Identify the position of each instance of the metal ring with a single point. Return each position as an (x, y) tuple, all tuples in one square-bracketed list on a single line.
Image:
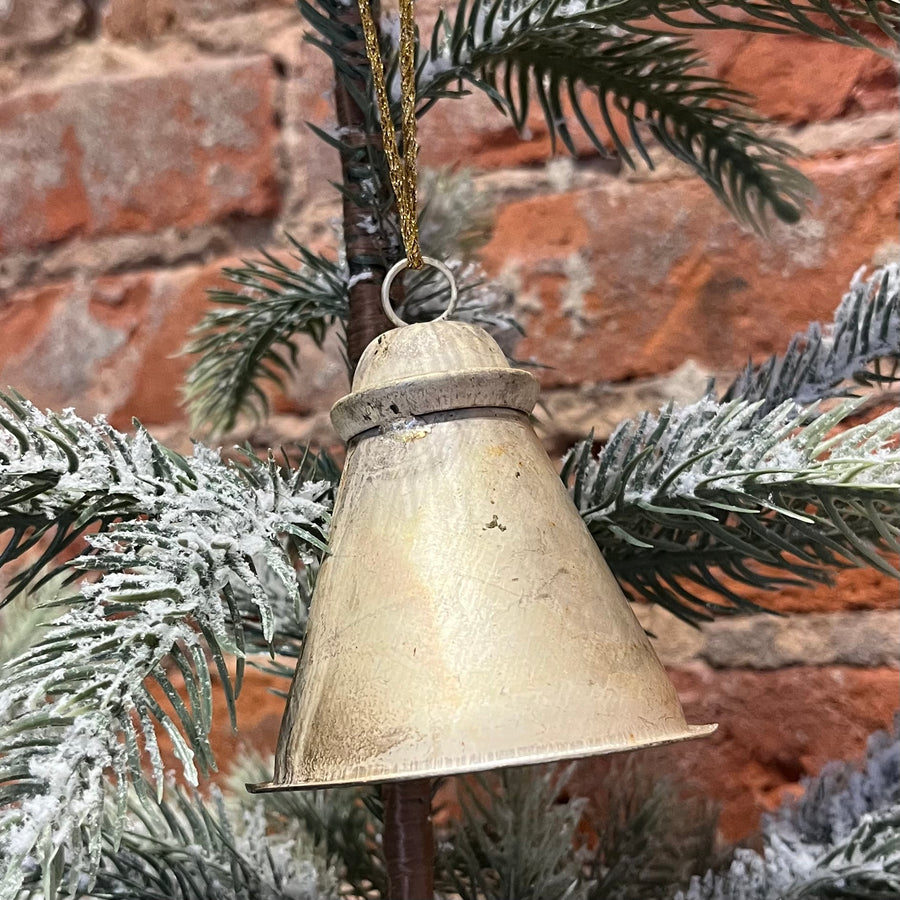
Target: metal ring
[(399, 267)]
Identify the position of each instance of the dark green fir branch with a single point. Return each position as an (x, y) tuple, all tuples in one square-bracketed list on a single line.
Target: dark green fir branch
[(619, 70)]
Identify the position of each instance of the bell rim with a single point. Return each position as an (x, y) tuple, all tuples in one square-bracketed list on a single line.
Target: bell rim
[(693, 731), (488, 386)]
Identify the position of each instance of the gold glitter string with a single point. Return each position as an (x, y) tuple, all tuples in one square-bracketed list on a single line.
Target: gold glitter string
[(402, 169)]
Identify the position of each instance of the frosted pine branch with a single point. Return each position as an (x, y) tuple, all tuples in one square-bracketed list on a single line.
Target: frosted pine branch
[(60, 475), (842, 839), (193, 848), (78, 704), (20, 622), (339, 824), (841, 795), (710, 496), (861, 345), (189, 847)]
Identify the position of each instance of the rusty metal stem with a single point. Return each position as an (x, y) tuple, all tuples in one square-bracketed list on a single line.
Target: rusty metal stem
[(409, 839), (408, 835)]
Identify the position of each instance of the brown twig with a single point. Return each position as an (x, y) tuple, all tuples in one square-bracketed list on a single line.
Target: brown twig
[(409, 839), (366, 251), (408, 836)]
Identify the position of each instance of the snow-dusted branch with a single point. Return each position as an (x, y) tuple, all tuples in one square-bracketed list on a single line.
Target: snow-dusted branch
[(712, 497), (190, 847), (78, 710), (861, 345), (841, 839)]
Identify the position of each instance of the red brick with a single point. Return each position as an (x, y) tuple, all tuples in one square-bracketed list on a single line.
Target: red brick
[(138, 20), (674, 277), (107, 345), (785, 73), (217, 9), (472, 132), (307, 98), (29, 24), (774, 729), (876, 87), (137, 153), (125, 361), (157, 380), (58, 340), (155, 396), (854, 589), (24, 316)]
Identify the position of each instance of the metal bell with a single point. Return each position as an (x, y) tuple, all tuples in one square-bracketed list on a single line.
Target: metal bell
[(465, 619)]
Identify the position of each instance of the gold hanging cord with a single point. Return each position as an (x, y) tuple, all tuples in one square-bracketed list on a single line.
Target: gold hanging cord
[(402, 169)]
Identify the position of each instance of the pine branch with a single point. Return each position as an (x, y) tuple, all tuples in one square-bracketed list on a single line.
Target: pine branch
[(651, 80), (520, 836), (711, 496), (339, 824), (186, 847), (850, 23), (289, 607), (752, 491), (836, 800), (651, 835), (444, 68), (20, 621), (857, 857), (618, 55), (513, 842), (83, 701), (197, 850), (60, 476), (866, 866), (249, 340), (818, 364)]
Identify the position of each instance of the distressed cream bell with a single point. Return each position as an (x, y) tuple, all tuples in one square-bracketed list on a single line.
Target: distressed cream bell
[(465, 618)]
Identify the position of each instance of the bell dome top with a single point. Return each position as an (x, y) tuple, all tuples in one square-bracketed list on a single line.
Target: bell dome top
[(427, 368), (424, 349)]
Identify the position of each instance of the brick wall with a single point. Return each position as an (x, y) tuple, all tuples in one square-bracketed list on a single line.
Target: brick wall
[(144, 144)]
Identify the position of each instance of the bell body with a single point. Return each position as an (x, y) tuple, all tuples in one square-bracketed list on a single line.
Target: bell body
[(465, 618)]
